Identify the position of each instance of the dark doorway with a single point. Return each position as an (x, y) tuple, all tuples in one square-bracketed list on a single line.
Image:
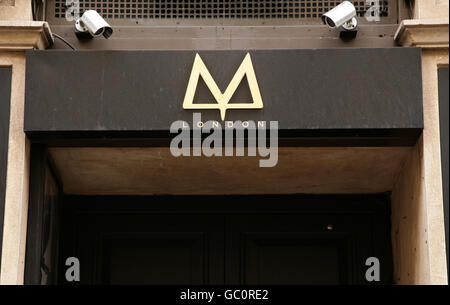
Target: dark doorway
[(264, 239), (5, 95)]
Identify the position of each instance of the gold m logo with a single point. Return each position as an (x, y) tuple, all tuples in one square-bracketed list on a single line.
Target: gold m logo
[(223, 99)]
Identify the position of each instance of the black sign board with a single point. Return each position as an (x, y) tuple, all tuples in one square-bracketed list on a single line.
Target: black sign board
[(323, 93)]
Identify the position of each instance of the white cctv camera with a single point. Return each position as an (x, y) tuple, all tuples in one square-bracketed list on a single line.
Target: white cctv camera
[(91, 24), (343, 15)]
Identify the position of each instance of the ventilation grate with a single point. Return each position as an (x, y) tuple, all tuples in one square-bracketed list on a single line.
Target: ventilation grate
[(216, 9)]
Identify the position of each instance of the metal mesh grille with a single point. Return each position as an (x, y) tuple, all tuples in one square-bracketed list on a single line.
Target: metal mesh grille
[(217, 9)]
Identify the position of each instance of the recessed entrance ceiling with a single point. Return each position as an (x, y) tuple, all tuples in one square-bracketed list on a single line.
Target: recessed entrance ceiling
[(146, 171)]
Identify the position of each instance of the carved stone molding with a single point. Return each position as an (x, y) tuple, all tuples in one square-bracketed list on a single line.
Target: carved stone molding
[(424, 33), (24, 35)]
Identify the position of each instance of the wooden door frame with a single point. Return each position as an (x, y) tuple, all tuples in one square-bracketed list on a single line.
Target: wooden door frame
[(39, 162)]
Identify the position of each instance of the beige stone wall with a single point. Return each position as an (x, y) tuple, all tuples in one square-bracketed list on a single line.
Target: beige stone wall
[(17, 32), (16, 199), (15, 10), (409, 223), (418, 229), (431, 60), (431, 9)]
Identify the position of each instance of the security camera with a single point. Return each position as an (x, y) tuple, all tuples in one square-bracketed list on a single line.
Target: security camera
[(91, 24), (342, 16)]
